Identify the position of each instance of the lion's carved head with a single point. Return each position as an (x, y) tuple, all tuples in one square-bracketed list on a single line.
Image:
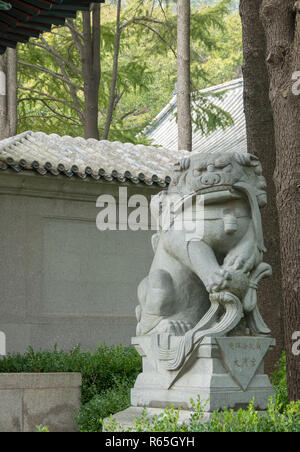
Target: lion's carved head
[(218, 171)]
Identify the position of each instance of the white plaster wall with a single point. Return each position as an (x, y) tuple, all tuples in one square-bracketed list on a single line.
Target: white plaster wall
[(62, 280)]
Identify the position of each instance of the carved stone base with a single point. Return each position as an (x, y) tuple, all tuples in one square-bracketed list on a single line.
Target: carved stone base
[(228, 371)]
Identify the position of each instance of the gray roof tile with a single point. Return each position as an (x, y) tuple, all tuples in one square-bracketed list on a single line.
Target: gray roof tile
[(52, 154), (122, 162)]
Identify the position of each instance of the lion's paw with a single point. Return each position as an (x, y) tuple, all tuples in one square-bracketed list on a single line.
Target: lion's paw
[(239, 283), (219, 281), (243, 261)]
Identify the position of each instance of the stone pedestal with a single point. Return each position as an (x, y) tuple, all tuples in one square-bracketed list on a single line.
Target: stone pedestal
[(224, 372), (228, 371)]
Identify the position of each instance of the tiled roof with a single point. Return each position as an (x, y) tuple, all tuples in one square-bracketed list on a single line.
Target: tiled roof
[(77, 157), (22, 19), (164, 130)]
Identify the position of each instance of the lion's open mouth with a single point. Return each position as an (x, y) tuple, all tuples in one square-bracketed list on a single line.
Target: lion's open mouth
[(214, 188)]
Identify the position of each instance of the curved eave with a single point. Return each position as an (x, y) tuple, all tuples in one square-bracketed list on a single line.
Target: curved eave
[(88, 173), (30, 18)]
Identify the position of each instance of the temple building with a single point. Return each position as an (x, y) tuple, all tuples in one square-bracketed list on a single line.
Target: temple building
[(228, 96)]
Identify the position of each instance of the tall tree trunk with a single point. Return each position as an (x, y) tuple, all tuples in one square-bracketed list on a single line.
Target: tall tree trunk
[(91, 68), (184, 76), (112, 98), (281, 20), (8, 94), (3, 98), (261, 142)]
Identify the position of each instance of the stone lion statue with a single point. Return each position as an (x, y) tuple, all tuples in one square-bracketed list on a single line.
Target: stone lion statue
[(203, 281)]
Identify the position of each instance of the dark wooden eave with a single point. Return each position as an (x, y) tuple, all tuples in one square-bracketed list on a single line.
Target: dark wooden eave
[(30, 18)]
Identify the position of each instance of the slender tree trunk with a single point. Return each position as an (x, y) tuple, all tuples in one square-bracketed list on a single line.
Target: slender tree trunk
[(112, 98), (8, 94), (261, 142), (91, 68), (281, 20), (3, 98), (184, 76)]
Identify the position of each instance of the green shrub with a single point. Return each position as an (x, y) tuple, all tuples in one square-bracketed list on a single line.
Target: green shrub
[(279, 383), (42, 429), (100, 370), (247, 421), (103, 405)]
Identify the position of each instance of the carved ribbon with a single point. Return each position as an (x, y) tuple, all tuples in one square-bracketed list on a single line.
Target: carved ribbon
[(256, 217), (255, 320), (175, 358)]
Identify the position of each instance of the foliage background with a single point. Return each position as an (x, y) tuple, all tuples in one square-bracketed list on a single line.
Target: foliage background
[(147, 67)]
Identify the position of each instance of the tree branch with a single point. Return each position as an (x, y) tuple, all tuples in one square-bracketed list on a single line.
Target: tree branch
[(64, 72), (159, 35), (112, 104), (55, 99), (76, 35), (166, 20), (54, 74), (138, 19), (134, 112), (57, 56)]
